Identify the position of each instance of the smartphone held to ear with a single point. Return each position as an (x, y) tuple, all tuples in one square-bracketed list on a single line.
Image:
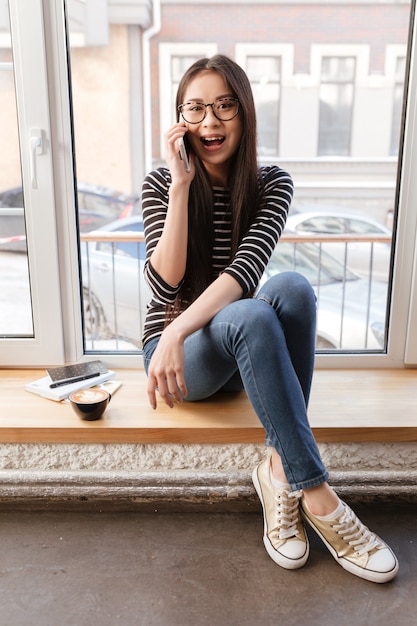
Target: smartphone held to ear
[(183, 154)]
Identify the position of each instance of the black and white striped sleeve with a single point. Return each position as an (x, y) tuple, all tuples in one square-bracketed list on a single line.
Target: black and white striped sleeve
[(154, 209), (258, 244)]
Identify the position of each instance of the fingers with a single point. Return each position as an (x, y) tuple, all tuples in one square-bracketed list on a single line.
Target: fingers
[(170, 388), (166, 369), (173, 135), (181, 386), (151, 393)]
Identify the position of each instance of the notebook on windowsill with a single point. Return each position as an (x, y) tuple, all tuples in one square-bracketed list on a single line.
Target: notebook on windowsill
[(42, 386)]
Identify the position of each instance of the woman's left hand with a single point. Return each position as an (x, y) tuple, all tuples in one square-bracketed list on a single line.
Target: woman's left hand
[(166, 370)]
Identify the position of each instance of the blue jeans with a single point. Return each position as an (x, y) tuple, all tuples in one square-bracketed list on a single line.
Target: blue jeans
[(266, 346)]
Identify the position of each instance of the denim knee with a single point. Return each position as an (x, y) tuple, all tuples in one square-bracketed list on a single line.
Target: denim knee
[(292, 296), (249, 315)]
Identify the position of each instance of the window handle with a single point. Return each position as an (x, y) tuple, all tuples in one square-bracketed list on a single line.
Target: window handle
[(36, 148)]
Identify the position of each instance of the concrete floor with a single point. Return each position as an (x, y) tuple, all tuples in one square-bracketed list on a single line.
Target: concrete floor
[(162, 568)]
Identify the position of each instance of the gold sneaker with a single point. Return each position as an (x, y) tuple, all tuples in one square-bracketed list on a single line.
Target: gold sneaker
[(284, 536), (353, 545)]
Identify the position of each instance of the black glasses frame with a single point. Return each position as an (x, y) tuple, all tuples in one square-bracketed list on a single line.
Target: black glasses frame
[(212, 105)]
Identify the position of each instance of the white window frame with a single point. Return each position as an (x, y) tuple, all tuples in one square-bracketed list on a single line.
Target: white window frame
[(403, 340), (32, 97), (55, 35)]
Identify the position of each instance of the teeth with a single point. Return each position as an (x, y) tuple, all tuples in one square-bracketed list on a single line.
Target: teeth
[(212, 139)]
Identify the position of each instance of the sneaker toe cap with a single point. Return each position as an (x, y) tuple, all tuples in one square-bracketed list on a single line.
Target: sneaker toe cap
[(293, 549), (382, 561)]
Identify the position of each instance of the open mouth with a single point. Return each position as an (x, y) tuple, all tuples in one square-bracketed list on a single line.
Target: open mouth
[(211, 142)]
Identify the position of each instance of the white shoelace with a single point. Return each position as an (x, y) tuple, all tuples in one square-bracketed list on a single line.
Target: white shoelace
[(287, 513), (355, 533)]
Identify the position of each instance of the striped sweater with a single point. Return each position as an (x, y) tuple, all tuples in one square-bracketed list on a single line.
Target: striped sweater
[(253, 253)]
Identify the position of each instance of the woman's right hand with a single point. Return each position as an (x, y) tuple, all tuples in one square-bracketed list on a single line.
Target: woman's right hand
[(172, 155), (166, 369)]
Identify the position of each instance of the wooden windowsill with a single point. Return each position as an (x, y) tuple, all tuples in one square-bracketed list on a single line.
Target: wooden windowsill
[(346, 406)]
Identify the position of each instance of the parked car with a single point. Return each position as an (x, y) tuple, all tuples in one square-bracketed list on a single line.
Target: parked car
[(349, 307), (115, 292), (97, 206), (358, 254)]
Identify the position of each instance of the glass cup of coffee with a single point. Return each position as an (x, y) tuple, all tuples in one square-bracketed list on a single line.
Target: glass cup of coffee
[(89, 404)]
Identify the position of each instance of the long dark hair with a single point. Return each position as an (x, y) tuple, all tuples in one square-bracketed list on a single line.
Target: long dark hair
[(243, 182)]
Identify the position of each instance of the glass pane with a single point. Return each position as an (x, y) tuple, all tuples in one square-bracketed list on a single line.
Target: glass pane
[(397, 106), (264, 74), (15, 296), (337, 69), (263, 69), (337, 130), (336, 103), (107, 192), (180, 65)]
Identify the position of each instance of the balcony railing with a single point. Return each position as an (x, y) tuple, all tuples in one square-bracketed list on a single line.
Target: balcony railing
[(350, 276)]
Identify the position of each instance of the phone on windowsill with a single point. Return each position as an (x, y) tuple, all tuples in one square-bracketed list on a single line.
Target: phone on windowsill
[(183, 154)]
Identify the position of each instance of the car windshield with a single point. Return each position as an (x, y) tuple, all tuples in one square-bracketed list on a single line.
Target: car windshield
[(323, 224), (310, 260), (361, 227)]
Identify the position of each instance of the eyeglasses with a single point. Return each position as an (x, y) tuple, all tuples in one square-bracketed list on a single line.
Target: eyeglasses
[(225, 110)]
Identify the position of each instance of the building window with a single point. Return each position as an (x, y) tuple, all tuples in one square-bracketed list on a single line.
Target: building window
[(397, 105), (268, 66), (336, 105), (179, 65), (265, 76)]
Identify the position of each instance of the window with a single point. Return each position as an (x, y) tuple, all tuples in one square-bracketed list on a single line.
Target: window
[(15, 304), (265, 75), (267, 66), (109, 126), (397, 105), (33, 332), (114, 290), (336, 104)]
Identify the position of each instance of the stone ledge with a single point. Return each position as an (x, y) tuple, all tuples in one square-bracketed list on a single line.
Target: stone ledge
[(130, 475), (131, 490), (163, 457)]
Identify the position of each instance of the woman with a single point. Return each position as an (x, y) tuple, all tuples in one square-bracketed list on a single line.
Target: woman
[(209, 233)]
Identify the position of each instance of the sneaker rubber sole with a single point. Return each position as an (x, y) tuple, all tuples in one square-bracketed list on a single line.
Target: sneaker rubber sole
[(277, 557)]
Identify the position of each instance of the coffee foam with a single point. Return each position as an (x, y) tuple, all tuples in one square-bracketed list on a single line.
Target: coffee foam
[(89, 396)]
